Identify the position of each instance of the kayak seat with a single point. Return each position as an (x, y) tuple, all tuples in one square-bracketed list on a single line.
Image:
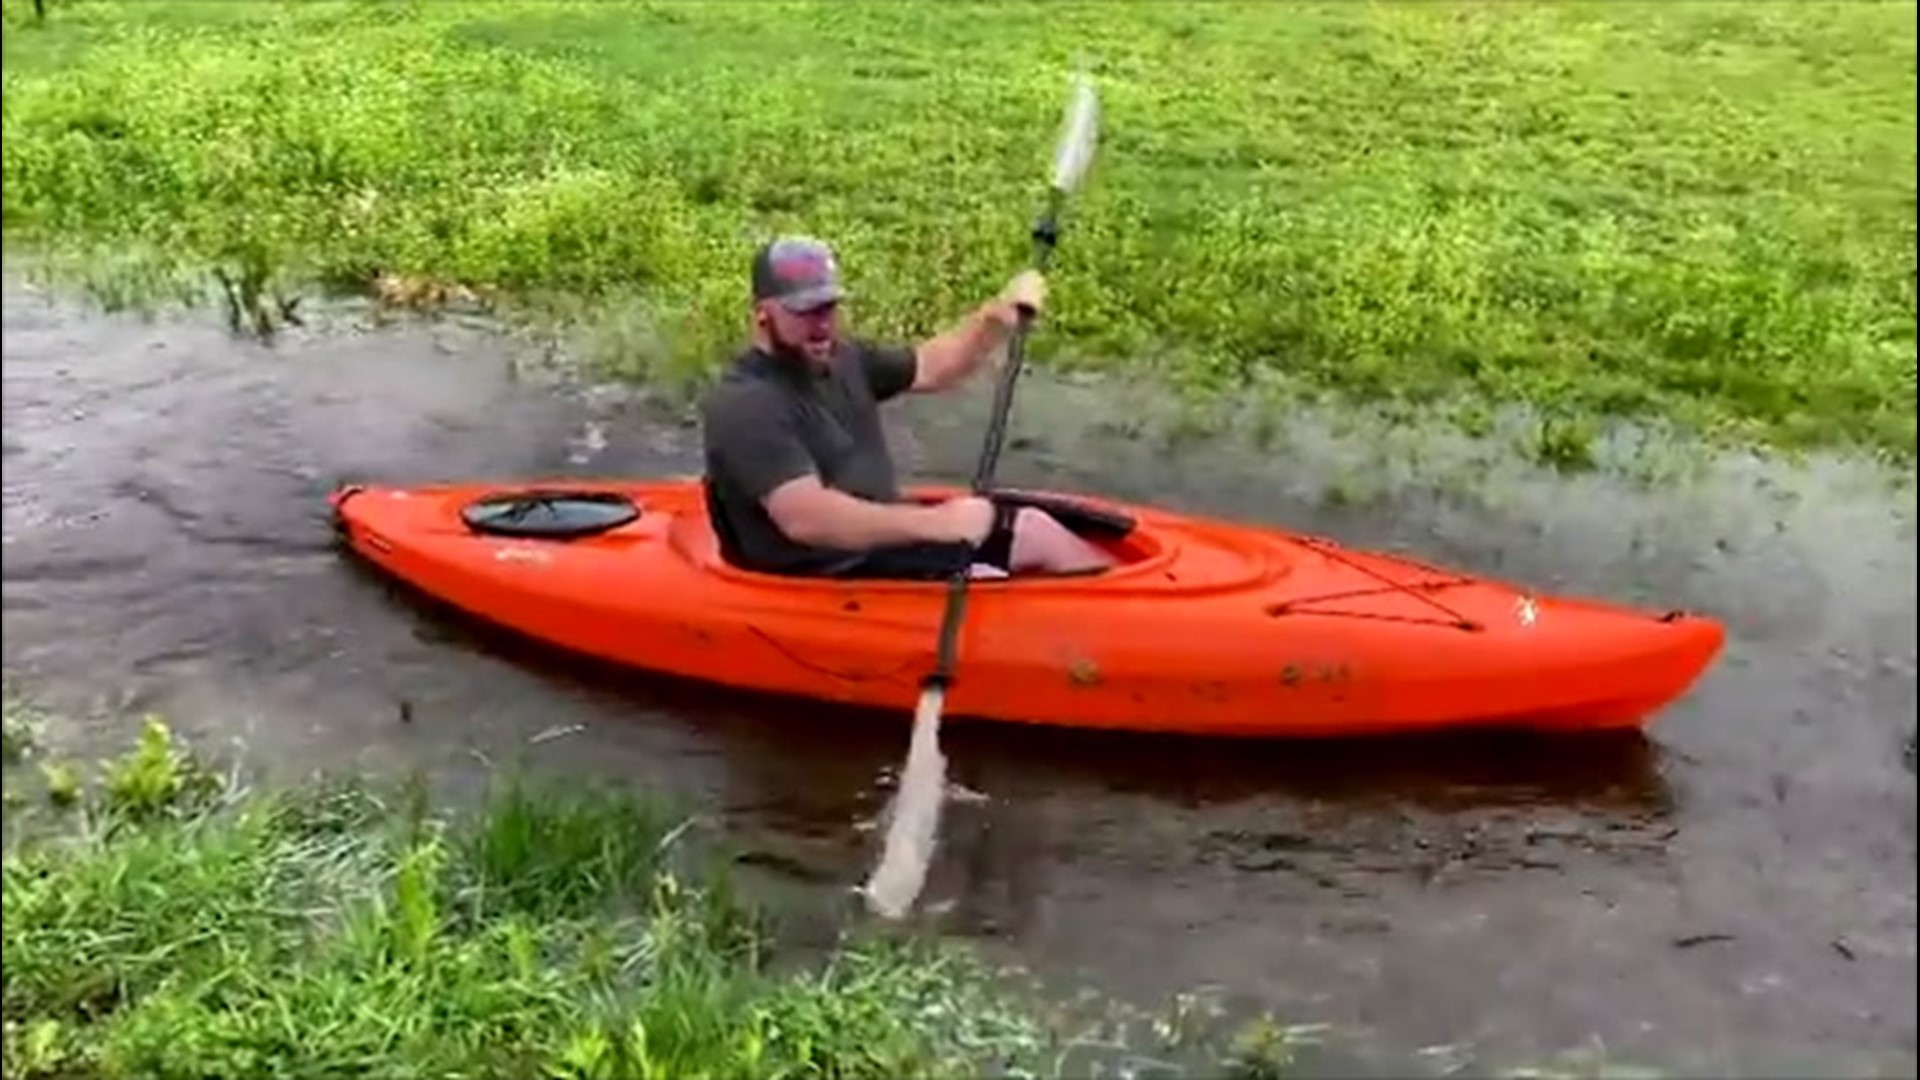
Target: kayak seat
[(549, 513)]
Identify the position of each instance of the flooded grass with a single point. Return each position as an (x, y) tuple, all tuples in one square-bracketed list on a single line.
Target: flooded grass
[(163, 921), (1698, 213), (21, 734)]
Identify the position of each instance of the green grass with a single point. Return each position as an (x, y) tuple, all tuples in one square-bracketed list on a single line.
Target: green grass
[(1694, 212), (320, 932), (164, 922)]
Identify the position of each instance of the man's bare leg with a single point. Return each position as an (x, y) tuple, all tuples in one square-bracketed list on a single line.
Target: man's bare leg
[(1044, 546)]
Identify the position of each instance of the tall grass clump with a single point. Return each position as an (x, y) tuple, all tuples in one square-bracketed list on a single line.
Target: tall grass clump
[(181, 927), (1696, 212)]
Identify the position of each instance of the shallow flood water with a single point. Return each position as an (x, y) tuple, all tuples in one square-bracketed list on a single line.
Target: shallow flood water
[(1733, 892)]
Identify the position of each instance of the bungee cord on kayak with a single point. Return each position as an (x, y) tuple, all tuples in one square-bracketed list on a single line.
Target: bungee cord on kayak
[(1419, 591)]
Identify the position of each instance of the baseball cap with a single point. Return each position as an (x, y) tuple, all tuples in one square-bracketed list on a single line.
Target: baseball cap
[(798, 271)]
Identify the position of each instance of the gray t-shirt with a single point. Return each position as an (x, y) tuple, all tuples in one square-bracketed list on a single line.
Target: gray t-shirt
[(768, 421)]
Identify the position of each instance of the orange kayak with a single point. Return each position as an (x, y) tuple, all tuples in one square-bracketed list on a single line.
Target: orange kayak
[(1206, 627)]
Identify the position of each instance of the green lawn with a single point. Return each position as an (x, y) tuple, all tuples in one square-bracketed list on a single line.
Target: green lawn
[(1701, 212)]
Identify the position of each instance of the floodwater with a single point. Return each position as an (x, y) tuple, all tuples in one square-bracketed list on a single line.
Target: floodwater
[(1733, 893)]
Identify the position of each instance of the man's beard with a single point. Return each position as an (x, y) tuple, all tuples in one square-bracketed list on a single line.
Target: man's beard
[(795, 349)]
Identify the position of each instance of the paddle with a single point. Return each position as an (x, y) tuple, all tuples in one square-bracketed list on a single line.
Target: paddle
[(915, 815)]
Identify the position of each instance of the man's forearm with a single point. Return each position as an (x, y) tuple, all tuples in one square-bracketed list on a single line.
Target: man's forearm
[(954, 354), (839, 520)]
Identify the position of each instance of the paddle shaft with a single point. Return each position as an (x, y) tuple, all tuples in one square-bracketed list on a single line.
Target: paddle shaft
[(1046, 234)]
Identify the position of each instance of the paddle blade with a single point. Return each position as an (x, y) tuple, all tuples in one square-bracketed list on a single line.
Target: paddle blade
[(915, 818), (1078, 134)]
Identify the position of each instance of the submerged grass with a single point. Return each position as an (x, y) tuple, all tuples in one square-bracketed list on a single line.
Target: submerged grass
[(170, 923), (1696, 212)]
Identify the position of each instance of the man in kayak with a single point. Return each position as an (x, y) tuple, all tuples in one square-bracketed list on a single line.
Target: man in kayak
[(799, 477)]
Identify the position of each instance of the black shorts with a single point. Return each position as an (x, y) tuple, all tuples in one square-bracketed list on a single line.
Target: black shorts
[(932, 562)]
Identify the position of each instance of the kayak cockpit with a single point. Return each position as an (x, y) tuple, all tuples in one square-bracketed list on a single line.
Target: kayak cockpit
[(1111, 530), (692, 536)]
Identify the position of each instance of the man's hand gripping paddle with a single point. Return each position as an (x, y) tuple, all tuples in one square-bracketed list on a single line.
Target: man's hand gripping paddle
[(915, 815)]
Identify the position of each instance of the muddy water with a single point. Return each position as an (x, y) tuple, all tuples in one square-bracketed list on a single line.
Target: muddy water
[(1733, 893)]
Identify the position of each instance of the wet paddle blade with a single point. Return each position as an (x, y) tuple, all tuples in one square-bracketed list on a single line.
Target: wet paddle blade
[(915, 817), (1078, 135)]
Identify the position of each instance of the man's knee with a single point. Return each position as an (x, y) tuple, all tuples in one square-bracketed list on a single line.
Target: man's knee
[(1031, 527), (1037, 523)]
